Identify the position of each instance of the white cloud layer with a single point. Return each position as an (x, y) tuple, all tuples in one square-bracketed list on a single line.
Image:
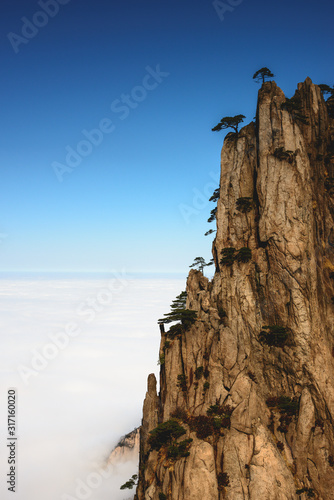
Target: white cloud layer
[(72, 411)]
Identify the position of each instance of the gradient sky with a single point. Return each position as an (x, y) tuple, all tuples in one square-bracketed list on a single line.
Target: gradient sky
[(121, 206)]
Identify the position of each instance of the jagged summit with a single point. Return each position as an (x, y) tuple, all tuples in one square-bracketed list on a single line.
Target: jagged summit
[(126, 449), (246, 402)]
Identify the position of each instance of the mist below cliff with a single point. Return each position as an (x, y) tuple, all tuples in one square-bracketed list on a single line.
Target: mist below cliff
[(72, 411)]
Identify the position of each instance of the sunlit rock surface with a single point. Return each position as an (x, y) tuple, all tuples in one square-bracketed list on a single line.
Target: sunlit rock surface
[(284, 164)]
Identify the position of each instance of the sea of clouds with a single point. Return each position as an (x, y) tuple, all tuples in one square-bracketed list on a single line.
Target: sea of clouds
[(78, 351)]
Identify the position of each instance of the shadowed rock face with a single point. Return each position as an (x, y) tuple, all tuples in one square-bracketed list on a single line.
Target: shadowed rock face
[(269, 446)]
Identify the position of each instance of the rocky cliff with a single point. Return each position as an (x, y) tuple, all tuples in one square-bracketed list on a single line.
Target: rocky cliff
[(127, 449), (246, 402)]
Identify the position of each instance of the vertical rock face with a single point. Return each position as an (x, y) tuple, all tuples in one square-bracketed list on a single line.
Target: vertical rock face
[(260, 355)]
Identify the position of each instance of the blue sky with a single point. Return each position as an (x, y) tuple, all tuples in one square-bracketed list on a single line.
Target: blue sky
[(123, 206)]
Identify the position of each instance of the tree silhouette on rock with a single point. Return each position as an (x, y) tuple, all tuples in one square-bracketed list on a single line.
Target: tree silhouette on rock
[(229, 122), (215, 195), (179, 312), (326, 89), (200, 264), (130, 483), (262, 74), (213, 215)]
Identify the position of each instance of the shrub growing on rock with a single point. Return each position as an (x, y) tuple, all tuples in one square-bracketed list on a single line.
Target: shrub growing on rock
[(202, 425), (244, 255), (222, 411), (182, 382), (244, 204), (175, 330), (164, 433), (223, 480), (274, 335), (228, 255), (180, 414), (287, 407), (179, 313), (283, 154), (130, 483), (284, 404), (199, 372), (206, 386), (179, 450), (206, 425), (188, 318)]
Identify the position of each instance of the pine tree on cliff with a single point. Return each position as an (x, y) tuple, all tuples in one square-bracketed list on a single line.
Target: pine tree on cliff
[(261, 75), (200, 264), (229, 122), (213, 213), (179, 312), (130, 483)]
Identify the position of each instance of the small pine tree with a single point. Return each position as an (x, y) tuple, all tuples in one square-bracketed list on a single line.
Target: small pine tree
[(215, 195), (261, 75), (200, 263), (229, 122), (326, 89), (165, 433), (180, 301), (130, 483), (213, 214), (179, 312)]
